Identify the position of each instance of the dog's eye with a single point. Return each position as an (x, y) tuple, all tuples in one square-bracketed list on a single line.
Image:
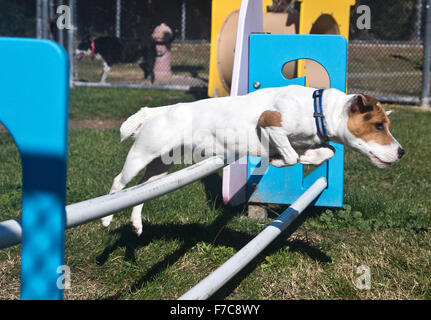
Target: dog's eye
[(379, 126)]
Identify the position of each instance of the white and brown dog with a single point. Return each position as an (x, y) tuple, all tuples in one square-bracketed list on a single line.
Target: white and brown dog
[(285, 117)]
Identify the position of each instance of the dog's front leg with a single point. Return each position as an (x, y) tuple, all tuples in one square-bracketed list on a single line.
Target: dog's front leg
[(279, 140), (316, 156), (106, 69)]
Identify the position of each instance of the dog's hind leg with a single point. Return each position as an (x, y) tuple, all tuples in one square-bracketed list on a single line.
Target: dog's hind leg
[(155, 170), (135, 162)]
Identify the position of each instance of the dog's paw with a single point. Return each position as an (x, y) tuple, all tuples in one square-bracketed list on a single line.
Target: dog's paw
[(106, 221), (280, 163), (309, 160), (316, 157), (137, 227)]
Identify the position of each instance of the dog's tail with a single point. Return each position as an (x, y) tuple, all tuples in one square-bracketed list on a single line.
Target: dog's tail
[(133, 124)]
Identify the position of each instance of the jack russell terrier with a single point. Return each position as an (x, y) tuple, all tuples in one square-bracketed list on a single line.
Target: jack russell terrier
[(288, 118)]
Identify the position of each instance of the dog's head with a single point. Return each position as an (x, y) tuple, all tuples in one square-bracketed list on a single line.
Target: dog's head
[(368, 131), (84, 48)]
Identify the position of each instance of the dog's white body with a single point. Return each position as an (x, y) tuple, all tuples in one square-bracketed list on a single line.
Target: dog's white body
[(269, 122)]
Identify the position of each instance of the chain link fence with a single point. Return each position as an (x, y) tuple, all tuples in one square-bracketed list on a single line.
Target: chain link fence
[(187, 70), (384, 60), (179, 64)]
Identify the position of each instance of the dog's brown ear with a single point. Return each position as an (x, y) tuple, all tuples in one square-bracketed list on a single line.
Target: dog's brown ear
[(361, 104)]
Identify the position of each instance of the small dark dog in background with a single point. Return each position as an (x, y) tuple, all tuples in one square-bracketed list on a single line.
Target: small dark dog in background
[(112, 50)]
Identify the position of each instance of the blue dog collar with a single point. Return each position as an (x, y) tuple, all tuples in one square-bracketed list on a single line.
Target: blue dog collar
[(318, 115)]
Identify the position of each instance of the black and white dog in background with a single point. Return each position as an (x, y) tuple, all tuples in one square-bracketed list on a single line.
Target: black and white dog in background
[(112, 50)]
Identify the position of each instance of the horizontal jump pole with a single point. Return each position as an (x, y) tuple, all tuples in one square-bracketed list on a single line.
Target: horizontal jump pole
[(92, 209), (208, 286)]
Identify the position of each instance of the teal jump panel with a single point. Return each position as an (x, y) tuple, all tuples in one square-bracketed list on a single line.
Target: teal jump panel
[(268, 54), (34, 98)]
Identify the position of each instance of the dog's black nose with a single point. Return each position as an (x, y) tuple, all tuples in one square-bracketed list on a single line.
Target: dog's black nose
[(401, 152)]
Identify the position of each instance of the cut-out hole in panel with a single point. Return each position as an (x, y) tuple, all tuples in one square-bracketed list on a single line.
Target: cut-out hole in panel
[(307, 169), (10, 177), (325, 24), (290, 69), (316, 74)]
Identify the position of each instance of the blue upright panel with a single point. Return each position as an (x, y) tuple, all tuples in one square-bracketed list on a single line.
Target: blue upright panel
[(34, 107), (268, 54)]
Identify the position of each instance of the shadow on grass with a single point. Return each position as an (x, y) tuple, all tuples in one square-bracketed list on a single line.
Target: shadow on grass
[(281, 242), (216, 233)]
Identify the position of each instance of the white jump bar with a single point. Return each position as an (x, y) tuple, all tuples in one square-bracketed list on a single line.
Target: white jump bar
[(89, 210), (208, 286)]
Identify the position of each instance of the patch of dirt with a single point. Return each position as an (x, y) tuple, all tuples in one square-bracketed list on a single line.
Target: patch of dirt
[(94, 124)]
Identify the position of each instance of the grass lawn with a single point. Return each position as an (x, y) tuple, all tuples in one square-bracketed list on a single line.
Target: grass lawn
[(116, 103), (384, 225)]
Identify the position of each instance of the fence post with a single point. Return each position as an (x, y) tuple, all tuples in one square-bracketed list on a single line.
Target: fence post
[(118, 19), (45, 19), (418, 23), (51, 19), (60, 32), (70, 40), (39, 19), (183, 20), (427, 58)]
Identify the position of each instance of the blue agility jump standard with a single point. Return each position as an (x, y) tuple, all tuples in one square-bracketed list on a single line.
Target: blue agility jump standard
[(34, 97)]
